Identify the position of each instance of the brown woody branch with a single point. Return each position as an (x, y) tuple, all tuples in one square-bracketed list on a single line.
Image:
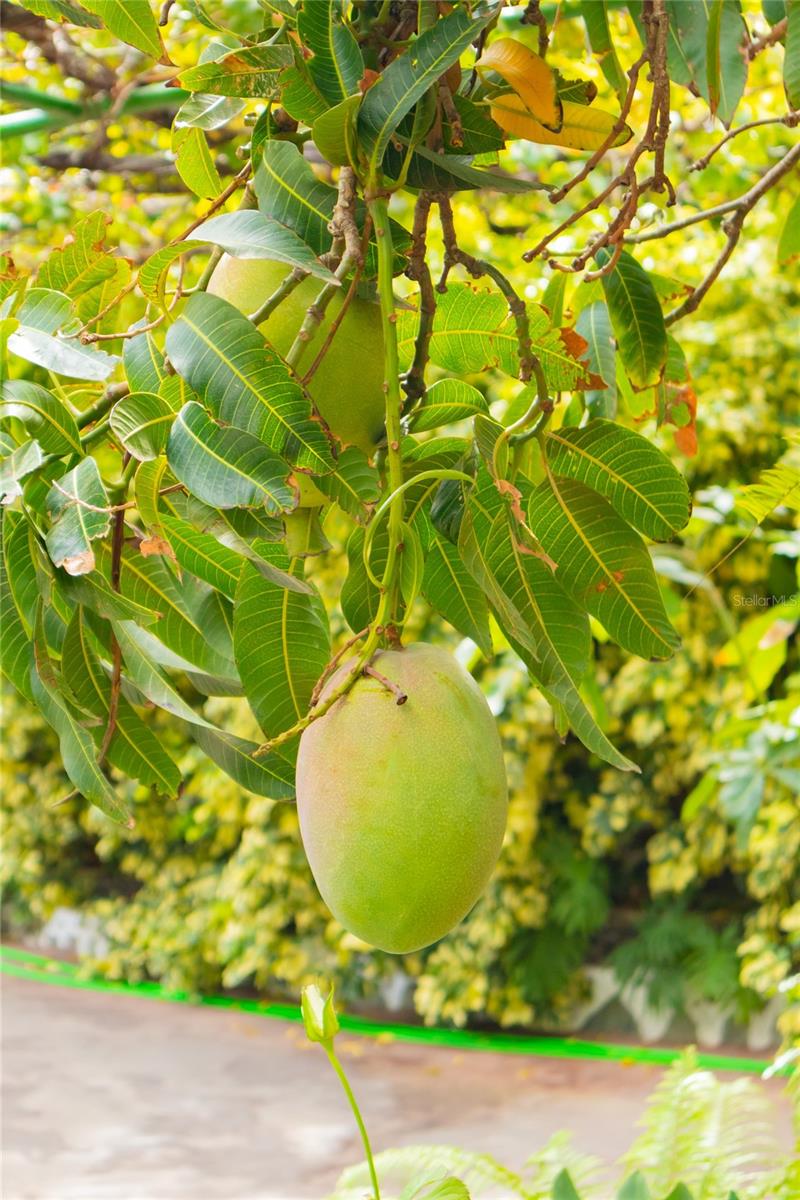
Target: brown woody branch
[(419, 271), (733, 229), (57, 48), (790, 120), (768, 39)]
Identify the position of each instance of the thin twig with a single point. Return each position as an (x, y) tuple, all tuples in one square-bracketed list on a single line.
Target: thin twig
[(334, 662), (789, 120), (419, 271), (88, 339), (768, 39), (733, 229)]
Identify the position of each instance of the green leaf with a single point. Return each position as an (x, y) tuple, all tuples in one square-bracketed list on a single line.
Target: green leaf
[(249, 234), (639, 482), (45, 309), (230, 365), (180, 638), (132, 21), (300, 96), (789, 243), (194, 162), (281, 644), (78, 752), (141, 421), (226, 467), (334, 131), (272, 776), (634, 1188), (289, 191), (15, 466), (412, 564), (637, 319), (202, 555), (134, 749), (94, 593), (248, 71), (207, 112), (595, 16), (359, 597), (726, 62), (604, 564), (337, 65), (146, 486), (680, 1192), (354, 485), (406, 79), (481, 135), (62, 10), (563, 1187), (77, 504), (451, 172), (62, 357), (45, 417), (82, 262), (143, 363), (447, 401), (542, 621), (16, 652), (450, 589), (791, 58), (20, 568), (594, 324)]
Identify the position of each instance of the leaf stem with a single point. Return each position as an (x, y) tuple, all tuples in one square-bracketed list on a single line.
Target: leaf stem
[(362, 1129)]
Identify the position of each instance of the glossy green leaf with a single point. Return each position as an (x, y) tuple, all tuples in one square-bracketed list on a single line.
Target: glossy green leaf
[(16, 649), (62, 356), (142, 421), (288, 190), (44, 309), (249, 234), (207, 112), (563, 1187), (82, 262), (354, 485), (726, 61), (447, 401), (132, 21), (595, 15), (334, 131), (77, 504), (636, 318), (271, 775), (479, 133), (410, 75), (637, 479), (603, 564), (78, 752), (15, 466), (194, 161), (143, 363), (542, 621), (95, 594), (451, 172), (300, 96), (281, 644), (134, 749), (20, 568), (202, 555), (147, 483), (44, 416), (248, 71), (337, 65), (230, 365), (226, 467), (594, 324), (62, 10), (451, 590), (359, 597)]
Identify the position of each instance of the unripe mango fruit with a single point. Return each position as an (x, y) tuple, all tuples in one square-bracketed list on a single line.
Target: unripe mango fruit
[(347, 387), (403, 807)]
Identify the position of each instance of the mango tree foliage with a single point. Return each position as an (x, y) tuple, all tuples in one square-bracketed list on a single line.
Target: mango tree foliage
[(158, 451)]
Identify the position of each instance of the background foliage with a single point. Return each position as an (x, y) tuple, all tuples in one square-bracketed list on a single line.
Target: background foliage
[(685, 877)]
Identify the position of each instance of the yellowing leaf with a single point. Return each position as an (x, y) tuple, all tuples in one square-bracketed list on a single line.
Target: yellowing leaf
[(530, 77), (583, 129)]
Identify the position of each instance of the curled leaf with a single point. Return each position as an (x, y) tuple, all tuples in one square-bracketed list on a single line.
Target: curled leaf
[(533, 81), (583, 128)]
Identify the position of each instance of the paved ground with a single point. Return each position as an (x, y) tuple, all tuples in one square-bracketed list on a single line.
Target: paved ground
[(122, 1098)]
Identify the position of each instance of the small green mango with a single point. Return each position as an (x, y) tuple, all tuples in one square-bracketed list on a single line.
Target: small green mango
[(403, 806), (347, 387)]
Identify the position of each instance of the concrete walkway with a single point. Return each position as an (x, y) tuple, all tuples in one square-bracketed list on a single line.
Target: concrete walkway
[(122, 1098)]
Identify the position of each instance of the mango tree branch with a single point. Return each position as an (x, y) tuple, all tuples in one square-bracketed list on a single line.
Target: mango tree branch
[(733, 229), (419, 271)]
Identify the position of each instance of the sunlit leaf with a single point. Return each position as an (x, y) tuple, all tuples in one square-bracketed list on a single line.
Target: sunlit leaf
[(132, 21), (15, 466), (78, 507), (583, 128), (533, 81), (195, 163), (636, 318), (249, 234), (337, 64), (141, 421), (248, 71)]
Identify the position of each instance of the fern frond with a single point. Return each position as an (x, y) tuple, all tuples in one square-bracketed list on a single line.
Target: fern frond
[(777, 487), (714, 1137), (396, 1168), (542, 1168)]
